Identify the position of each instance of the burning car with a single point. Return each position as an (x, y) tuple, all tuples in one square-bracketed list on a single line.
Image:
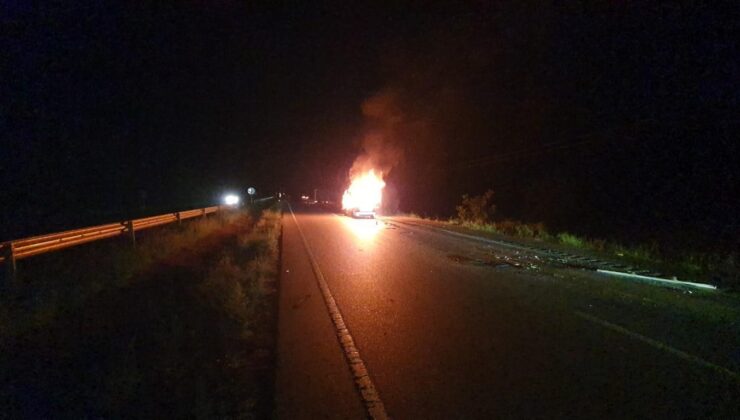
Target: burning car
[(364, 195), (358, 212)]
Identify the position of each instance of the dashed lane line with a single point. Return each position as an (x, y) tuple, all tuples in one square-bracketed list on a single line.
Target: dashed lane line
[(659, 345)]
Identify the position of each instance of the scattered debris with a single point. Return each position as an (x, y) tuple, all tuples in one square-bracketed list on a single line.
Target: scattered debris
[(502, 262), (459, 258), (495, 261)]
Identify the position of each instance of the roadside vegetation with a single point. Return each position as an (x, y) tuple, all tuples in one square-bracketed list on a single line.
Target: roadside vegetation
[(478, 213), (183, 325), (50, 284)]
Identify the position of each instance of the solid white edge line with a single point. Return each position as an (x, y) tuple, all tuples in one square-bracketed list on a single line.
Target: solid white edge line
[(678, 283), (659, 345), (365, 386)]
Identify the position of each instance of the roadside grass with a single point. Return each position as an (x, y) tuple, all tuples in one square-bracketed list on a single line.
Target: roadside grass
[(246, 272), (566, 238), (720, 269), (60, 281), (240, 289), (181, 326)]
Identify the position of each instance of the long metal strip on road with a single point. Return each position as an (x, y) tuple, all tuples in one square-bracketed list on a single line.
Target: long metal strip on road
[(368, 393)]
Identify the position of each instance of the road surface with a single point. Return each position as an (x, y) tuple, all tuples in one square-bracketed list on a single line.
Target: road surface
[(443, 336)]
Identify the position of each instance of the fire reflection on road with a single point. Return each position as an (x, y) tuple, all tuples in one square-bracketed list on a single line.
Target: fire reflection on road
[(364, 229)]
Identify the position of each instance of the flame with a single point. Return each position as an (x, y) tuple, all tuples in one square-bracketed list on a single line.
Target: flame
[(365, 192)]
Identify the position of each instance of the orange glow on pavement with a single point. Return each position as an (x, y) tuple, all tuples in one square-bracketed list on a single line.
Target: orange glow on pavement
[(364, 229)]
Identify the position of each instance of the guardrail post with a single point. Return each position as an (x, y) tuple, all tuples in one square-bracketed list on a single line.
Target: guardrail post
[(131, 233), (204, 212), (179, 219), (10, 267)]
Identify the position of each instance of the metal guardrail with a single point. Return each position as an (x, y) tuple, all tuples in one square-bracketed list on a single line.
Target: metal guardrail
[(11, 251)]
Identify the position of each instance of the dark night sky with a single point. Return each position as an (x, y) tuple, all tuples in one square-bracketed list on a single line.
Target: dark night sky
[(613, 119)]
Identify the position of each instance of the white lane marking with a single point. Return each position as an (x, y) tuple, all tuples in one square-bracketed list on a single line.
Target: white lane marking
[(366, 387), (659, 345)]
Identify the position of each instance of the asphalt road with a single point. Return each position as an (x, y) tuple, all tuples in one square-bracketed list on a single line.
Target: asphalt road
[(443, 337)]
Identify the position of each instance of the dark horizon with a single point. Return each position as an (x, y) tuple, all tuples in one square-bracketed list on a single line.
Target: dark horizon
[(614, 120)]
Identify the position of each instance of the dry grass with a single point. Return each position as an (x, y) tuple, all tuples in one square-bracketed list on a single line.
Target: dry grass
[(173, 326), (246, 273)]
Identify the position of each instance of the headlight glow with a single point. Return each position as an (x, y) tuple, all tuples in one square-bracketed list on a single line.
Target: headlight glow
[(231, 199)]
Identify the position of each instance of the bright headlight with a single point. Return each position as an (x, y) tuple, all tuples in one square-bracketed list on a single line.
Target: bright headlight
[(231, 199)]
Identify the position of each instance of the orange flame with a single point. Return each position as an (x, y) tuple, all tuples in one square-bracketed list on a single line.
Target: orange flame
[(365, 192)]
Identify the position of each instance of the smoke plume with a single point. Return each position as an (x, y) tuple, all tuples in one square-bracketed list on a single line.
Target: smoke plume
[(381, 146)]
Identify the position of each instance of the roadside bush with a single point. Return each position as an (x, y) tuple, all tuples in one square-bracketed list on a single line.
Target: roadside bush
[(259, 250), (224, 291), (598, 244), (484, 227), (727, 271), (507, 227), (540, 231), (477, 209), (640, 253), (524, 231), (570, 240)]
